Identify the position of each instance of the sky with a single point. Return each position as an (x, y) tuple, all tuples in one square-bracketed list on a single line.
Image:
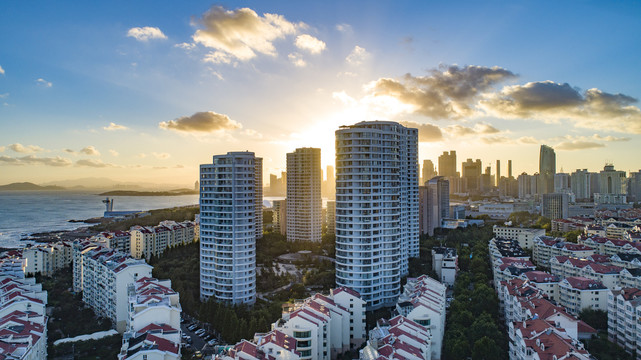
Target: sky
[(145, 91)]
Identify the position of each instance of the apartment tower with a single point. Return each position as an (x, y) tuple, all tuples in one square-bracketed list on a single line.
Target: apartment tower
[(376, 208), (304, 203), (230, 221), (547, 169)]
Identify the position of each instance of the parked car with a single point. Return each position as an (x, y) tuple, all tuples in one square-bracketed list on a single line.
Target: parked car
[(212, 342)]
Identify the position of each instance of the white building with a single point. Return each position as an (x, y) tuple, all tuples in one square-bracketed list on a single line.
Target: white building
[(153, 324), (445, 264), (304, 202), (376, 208), (119, 240), (331, 217), (423, 301), (325, 326), (103, 275), (546, 247), (274, 345), (398, 338), (46, 259), (525, 236), (579, 293), (230, 220), (624, 308)]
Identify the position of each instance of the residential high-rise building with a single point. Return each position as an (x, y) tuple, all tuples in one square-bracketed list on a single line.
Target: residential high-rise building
[(447, 164), (580, 184), (547, 169), (561, 182), (555, 206), (330, 184), (471, 175), (525, 186), (331, 217), (304, 203), (498, 172), (376, 208), (634, 186), (428, 171), (434, 204), (509, 168), (612, 181), (230, 199), (279, 216)]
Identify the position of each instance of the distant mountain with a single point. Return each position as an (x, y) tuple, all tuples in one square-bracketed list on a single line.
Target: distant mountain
[(103, 184), (27, 186), (150, 193)]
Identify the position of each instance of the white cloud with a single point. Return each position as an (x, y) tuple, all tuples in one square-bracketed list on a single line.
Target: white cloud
[(206, 121), (217, 57), (44, 83), (309, 43), (242, 33), (344, 28), (161, 155), (186, 46), (114, 126), (113, 152), (2, 148), (146, 33), (34, 160), (297, 59), (93, 163), (25, 148), (1, 70), (357, 56), (90, 150)]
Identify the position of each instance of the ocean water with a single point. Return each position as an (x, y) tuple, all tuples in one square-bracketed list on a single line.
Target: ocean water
[(27, 212)]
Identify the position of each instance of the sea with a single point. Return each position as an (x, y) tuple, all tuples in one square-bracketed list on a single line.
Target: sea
[(26, 212)]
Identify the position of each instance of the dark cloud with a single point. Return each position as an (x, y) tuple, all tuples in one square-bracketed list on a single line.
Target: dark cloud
[(547, 100), (208, 121), (477, 129), (34, 160), (426, 132), (90, 150), (447, 93)]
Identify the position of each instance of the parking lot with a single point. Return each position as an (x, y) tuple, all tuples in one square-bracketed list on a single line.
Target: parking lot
[(197, 337)]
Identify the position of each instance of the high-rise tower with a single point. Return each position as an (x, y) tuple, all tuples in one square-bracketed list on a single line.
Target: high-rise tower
[(304, 203), (230, 196), (376, 208), (547, 169)]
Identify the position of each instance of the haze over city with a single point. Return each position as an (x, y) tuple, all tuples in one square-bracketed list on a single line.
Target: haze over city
[(146, 91)]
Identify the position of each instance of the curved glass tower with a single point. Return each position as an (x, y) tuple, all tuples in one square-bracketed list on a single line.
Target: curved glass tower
[(376, 208)]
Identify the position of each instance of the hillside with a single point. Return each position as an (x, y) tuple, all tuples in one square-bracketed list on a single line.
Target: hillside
[(27, 186)]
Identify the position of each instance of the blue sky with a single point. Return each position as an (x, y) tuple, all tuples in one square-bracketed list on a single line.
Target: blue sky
[(509, 76)]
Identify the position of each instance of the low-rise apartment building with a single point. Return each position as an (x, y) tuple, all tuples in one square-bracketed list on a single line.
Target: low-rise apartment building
[(445, 264), (525, 236), (624, 310), (578, 293), (398, 338), (546, 247)]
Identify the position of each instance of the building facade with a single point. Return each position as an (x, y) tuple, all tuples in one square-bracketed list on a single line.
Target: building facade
[(304, 203)]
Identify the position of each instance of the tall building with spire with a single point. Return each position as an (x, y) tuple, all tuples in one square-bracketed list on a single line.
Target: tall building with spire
[(304, 203), (230, 222), (376, 208)]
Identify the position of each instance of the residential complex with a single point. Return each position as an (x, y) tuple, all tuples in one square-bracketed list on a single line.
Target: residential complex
[(376, 208), (147, 241), (230, 220), (304, 203), (525, 236), (434, 204), (445, 264)]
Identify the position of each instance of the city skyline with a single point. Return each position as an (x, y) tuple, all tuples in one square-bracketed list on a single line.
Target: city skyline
[(137, 92)]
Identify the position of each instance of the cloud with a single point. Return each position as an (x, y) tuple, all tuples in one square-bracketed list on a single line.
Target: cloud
[(426, 132), (477, 129), (1, 70), (2, 148), (93, 163), (34, 160), (609, 138), (70, 151), (357, 56), (114, 126), (309, 43), (113, 152), (207, 121), (142, 155), (186, 46), (25, 148), (528, 140), (344, 28), (161, 155), (217, 57), (550, 101), (578, 145), (498, 139), (44, 83), (297, 59), (90, 150), (241, 33), (2, 96), (252, 133), (446, 93), (146, 33)]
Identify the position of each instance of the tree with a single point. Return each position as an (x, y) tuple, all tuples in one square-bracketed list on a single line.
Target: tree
[(486, 348), (598, 319), (484, 325)]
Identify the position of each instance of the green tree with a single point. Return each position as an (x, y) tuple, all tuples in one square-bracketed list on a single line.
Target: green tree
[(486, 349), (598, 319)]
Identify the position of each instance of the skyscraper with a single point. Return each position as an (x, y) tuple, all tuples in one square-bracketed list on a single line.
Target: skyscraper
[(509, 168), (612, 181), (428, 171), (304, 203), (471, 175), (555, 206), (498, 172), (580, 184), (230, 196), (447, 164), (634, 186), (547, 169), (330, 183), (434, 204), (376, 208)]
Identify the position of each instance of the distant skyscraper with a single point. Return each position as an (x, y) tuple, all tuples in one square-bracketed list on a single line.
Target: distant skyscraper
[(304, 203), (525, 186), (498, 172), (581, 184), (447, 164), (634, 186), (561, 182), (279, 216), (547, 169), (428, 171), (471, 175), (434, 204), (376, 208), (555, 206), (230, 196), (509, 168), (330, 183), (612, 181), (331, 217)]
